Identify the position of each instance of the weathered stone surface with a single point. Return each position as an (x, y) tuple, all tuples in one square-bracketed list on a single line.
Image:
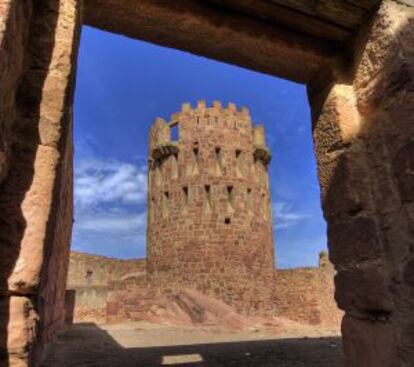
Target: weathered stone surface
[(338, 124), (193, 26), (368, 343), (14, 17), (306, 295), (363, 288), (369, 178), (384, 71), (35, 233), (354, 241), (19, 332), (409, 273), (36, 209), (407, 343), (342, 169), (403, 165), (38, 200)]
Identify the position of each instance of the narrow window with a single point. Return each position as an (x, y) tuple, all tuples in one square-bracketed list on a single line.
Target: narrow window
[(152, 210), (192, 167), (175, 132), (230, 198), (218, 162), (239, 163), (174, 166), (165, 204), (185, 198), (264, 206), (195, 169), (207, 201), (249, 201), (89, 279), (158, 173)]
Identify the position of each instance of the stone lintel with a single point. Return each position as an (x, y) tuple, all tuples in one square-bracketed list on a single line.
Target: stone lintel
[(206, 30)]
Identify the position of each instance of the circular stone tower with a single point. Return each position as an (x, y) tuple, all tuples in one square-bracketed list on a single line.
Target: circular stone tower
[(209, 208)]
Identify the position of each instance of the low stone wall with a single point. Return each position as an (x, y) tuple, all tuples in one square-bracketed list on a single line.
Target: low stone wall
[(112, 290), (307, 295), (93, 278), (86, 270)]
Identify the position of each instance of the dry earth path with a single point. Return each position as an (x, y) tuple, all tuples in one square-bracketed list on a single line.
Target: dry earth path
[(146, 345)]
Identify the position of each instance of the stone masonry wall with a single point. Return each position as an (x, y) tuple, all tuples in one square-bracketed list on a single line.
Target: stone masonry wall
[(14, 15), (209, 217), (93, 278), (307, 295), (91, 270), (38, 46), (363, 131)]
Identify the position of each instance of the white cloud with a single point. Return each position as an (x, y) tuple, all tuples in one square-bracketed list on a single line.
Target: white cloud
[(112, 223), (110, 212), (98, 181), (284, 216)]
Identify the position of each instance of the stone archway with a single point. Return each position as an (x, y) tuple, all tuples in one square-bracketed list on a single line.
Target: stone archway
[(362, 105)]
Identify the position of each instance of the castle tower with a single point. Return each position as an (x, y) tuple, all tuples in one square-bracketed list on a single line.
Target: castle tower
[(209, 208)]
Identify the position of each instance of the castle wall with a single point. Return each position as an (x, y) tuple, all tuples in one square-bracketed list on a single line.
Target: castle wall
[(306, 295), (93, 278), (209, 217)]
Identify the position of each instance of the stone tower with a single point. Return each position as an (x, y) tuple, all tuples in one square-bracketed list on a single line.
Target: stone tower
[(209, 208)]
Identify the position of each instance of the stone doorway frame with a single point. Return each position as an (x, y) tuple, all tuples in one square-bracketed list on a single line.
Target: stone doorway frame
[(361, 99)]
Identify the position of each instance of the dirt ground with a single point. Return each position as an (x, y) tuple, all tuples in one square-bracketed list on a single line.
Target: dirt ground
[(142, 344)]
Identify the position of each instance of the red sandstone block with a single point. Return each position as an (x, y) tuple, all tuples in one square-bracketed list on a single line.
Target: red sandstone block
[(364, 288), (368, 343), (353, 241)]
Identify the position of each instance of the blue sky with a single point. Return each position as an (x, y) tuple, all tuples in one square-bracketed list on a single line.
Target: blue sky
[(122, 85)]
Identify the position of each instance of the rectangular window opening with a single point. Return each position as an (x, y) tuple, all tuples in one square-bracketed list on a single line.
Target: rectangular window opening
[(175, 132), (230, 198), (185, 198), (207, 205)]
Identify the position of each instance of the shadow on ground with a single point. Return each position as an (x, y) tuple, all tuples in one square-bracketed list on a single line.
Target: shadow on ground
[(86, 344)]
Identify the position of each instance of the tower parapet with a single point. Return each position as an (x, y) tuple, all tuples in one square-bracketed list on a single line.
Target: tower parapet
[(209, 208)]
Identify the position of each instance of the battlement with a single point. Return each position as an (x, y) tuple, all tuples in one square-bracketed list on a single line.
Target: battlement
[(193, 123), (216, 108)]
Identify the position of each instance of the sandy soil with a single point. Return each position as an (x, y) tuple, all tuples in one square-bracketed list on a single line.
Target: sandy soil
[(142, 344)]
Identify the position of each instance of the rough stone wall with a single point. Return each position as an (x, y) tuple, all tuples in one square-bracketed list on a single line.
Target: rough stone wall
[(14, 38), (307, 295), (363, 129), (92, 270), (14, 15), (93, 278), (209, 217), (38, 48)]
